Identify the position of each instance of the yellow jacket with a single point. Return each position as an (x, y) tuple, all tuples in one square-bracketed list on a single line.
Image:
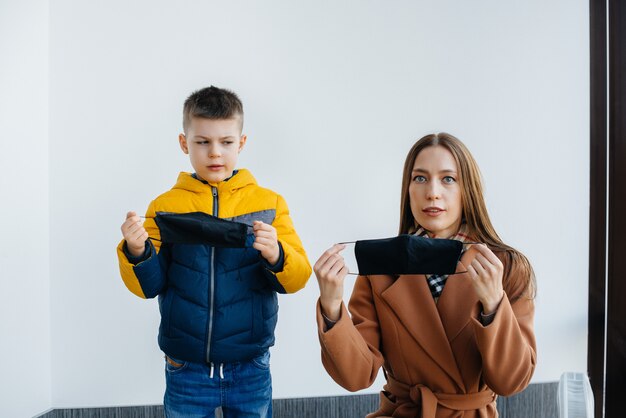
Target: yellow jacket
[(232, 289)]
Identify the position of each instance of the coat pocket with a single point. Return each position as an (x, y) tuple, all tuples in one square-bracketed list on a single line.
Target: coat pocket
[(387, 404)]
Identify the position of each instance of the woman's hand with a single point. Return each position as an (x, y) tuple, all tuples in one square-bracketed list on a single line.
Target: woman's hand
[(486, 271), (331, 270)]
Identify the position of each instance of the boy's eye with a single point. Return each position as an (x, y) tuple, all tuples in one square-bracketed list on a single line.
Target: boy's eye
[(419, 179), (227, 142), (449, 180)]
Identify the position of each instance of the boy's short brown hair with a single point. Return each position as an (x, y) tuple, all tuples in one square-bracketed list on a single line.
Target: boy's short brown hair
[(212, 103)]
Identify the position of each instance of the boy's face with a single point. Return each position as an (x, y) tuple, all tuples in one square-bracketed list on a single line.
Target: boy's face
[(213, 146)]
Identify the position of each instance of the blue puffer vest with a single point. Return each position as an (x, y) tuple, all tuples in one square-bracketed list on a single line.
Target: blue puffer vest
[(220, 304)]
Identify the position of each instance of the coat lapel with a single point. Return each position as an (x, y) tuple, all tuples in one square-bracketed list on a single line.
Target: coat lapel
[(458, 302), (411, 301)]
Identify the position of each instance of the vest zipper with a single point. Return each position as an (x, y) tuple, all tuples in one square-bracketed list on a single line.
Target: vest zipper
[(212, 282)]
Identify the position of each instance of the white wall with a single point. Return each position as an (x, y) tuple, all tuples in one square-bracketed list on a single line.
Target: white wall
[(24, 220), (335, 93)]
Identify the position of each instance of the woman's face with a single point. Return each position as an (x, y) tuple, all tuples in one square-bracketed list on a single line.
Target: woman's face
[(434, 192)]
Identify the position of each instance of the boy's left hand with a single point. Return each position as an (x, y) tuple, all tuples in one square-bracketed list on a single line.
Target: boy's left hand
[(266, 241)]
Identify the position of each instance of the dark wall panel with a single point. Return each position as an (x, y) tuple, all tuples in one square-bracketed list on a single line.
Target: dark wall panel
[(597, 199), (616, 288)]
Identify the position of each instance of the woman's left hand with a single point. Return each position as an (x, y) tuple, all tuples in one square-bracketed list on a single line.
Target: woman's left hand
[(486, 271)]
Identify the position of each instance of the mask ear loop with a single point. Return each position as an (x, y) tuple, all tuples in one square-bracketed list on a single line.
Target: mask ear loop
[(349, 242), (149, 237), (463, 272), (472, 243)]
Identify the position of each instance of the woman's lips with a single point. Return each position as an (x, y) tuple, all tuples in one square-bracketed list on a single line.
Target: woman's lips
[(433, 211)]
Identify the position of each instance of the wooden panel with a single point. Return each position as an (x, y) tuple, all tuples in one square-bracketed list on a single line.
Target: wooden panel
[(597, 200), (616, 290)]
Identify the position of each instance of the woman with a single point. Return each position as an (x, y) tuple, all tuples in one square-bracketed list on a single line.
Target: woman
[(447, 345)]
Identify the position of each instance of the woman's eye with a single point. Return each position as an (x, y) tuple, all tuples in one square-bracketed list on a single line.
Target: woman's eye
[(449, 180), (419, 179)]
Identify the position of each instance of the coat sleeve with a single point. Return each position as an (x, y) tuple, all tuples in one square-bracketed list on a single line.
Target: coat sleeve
[(296, 267), (351, 348), (507, 345), (147, 278)]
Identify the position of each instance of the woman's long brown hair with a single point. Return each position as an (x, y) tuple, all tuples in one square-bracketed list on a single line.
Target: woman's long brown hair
[(475, 212)]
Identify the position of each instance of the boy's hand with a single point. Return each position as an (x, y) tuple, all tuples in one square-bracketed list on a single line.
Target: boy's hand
[(266, 241), (134, 234)]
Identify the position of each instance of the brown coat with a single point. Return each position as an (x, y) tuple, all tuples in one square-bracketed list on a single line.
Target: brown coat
[(439, 358)]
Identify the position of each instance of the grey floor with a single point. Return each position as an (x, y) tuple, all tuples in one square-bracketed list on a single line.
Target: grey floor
[(537, 401)]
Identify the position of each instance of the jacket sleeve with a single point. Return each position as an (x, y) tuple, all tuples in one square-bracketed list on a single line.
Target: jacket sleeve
[(351, 348), (296, 267), (147, 278), (507, 345)]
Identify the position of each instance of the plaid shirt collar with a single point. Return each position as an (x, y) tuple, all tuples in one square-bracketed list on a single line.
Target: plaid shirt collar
[(437, 282)]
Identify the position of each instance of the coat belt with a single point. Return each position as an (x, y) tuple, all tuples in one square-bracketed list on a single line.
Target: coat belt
[(410, 398)]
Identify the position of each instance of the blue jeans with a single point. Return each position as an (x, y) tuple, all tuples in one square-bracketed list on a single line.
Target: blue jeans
[(242, 389)]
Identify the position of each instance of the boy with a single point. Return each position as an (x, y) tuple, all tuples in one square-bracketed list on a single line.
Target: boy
[(218, 305)]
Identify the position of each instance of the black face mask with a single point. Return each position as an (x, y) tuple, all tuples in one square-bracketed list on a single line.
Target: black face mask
[(408, 254), (200, 228)]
